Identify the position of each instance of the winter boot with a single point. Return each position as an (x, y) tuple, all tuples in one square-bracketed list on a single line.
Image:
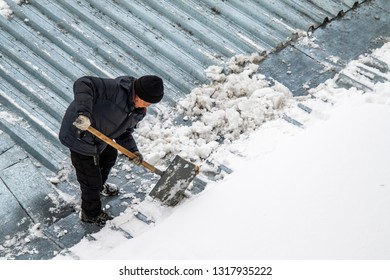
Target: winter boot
[(99, 220)]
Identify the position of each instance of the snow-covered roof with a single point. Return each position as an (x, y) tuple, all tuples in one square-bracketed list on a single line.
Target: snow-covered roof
[(46, 45)]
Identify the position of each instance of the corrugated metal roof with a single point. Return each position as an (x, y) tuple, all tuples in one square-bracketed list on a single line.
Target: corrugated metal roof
[(47, 44), (40, 59)]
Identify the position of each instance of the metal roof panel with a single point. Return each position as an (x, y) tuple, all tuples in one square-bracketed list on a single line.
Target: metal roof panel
[(47, 44)]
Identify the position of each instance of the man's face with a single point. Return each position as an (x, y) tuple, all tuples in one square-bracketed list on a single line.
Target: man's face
[(139, 103)]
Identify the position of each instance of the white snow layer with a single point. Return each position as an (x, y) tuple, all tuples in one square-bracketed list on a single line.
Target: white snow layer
[(5, 10), (321, 192)]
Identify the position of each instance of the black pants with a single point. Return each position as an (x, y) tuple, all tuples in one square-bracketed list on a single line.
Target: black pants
[(92, 173)]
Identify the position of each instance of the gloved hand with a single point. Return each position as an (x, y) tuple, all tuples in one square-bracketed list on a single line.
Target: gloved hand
[(138, 159), (82, 122)]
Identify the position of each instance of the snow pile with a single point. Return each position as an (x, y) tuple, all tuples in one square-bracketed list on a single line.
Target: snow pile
[(236, 102), (316, 193), (5, 10)]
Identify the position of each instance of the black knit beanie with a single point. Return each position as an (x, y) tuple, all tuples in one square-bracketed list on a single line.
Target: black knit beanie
[(150, 88)]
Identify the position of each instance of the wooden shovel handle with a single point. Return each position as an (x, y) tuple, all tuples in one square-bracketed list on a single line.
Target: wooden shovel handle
[(123, 150)]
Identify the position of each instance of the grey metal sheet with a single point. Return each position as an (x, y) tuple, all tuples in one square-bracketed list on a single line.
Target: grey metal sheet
[(6, 142), (384, 4), (33, 192), (13, 216), (47, 44), (11, 156)]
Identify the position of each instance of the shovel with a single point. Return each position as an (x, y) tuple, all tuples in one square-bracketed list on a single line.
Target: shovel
[(174, 180)]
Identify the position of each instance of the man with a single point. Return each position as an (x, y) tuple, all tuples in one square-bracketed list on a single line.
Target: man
[(114, 107)]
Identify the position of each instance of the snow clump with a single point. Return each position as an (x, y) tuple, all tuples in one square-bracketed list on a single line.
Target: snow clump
[(237, 101)]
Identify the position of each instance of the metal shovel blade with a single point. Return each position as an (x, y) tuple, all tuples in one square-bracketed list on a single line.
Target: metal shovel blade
[(174, 181)]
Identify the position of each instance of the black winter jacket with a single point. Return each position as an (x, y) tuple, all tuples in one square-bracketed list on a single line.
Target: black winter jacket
[(109, 103)]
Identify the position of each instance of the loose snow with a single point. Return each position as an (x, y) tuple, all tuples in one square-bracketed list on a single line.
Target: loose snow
[(318, 192), (5, 10)]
